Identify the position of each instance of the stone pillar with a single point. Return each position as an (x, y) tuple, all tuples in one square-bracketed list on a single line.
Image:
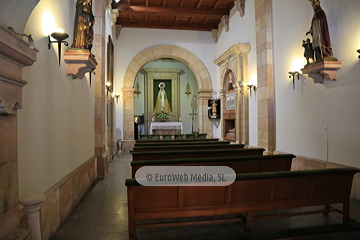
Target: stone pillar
[(32, 205), (266, 96), (128, 110), (15, 54), (99, 84), (205, 125)]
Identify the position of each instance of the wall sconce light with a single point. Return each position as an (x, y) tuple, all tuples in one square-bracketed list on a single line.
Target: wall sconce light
[(252, 86), (59, 37), (30, 40), (108, 88), (137, 89), (293, 74), (357, 51), (187, 90), (117, 95)]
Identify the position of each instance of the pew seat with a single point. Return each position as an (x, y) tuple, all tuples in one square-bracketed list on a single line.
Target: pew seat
[(250, 193)]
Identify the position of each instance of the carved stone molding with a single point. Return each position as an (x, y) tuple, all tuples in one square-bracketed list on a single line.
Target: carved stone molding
[(326, 70), (214, 33), (15, 54), (114, 15), (79, 62), (225, 22), (117, 31), (240, 6)]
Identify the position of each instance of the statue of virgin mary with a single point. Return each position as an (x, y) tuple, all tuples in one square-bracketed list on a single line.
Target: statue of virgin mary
[(162, 102)]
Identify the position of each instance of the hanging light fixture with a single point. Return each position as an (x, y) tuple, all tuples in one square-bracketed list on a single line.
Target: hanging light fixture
[(187, 89)]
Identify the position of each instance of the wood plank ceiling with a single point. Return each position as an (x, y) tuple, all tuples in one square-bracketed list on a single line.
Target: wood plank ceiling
[(200, 15)]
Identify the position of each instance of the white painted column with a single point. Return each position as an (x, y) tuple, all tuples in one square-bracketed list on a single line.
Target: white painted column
[(32, 205)]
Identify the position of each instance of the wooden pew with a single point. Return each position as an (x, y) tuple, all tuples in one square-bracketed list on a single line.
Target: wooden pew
[(253, 192), (187, 147), (174, 143), (208, 153), (178, 140), (247, 164), (170, 136)]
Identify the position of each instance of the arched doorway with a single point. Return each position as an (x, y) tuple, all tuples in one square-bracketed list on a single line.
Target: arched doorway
[(177, 53)]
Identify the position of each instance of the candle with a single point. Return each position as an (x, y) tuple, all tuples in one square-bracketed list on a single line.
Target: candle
[(179, 119)]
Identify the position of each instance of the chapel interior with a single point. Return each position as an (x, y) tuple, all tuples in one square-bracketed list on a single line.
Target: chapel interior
[(93, 90)]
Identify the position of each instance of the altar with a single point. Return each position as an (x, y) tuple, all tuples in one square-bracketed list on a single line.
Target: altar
[(166, 127)]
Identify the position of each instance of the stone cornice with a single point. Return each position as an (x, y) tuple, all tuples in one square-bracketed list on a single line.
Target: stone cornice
[(241, 48), (15, 54), (16, 49)]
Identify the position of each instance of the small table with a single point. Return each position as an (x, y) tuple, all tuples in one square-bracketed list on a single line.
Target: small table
[(166, 127)]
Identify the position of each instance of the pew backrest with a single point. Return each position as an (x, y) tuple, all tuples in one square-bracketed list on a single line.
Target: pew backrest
[(249, 193), (166, 155), (187, 147), (245, 164), (175, 143)]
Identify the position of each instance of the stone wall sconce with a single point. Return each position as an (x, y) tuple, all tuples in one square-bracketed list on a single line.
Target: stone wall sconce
[(59, 37), (117, 95), (293, 75), (358, 53), (252, 87), (108, 88), (137, 89)]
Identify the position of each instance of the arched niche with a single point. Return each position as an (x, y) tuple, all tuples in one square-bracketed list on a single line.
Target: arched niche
[(235, 60), (166, 51)]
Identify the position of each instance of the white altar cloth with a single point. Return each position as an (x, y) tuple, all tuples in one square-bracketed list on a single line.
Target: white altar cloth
[(165, 125)]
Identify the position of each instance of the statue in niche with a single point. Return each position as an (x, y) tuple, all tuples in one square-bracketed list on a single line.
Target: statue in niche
[(213, 108), (230, 87), (84, 22), (319, 31), (162, 103), (309, 51)]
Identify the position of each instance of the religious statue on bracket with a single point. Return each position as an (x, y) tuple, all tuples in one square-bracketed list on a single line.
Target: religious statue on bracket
[(83, 25), (319, 30), (162, 103)]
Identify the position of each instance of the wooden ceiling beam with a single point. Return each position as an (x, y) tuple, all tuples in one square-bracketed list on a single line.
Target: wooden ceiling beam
[(179, 26), (198, 4), (216, 4), (171, 11)]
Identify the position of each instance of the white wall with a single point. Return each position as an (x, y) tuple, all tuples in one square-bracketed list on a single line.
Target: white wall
[(15, 13), (185, 101), (302, 113), (242, 30), (133, 41), (56, 124)]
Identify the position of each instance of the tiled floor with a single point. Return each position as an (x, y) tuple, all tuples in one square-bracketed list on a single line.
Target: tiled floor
[(102, 215)]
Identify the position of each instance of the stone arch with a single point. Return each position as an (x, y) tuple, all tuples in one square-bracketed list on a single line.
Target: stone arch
[(178, 53)]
